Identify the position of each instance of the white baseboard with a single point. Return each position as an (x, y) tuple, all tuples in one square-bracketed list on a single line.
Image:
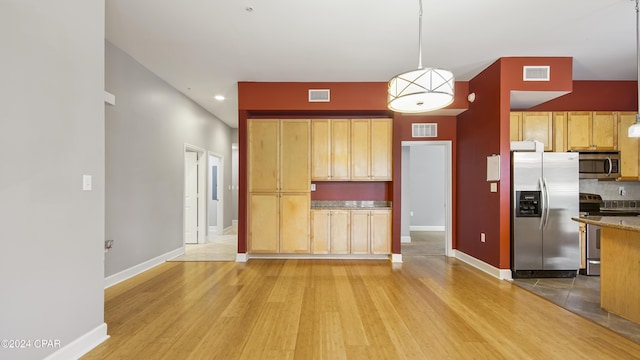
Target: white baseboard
[(405, 239), (502, 274), (81, 345), (242, 257), (396, 258), (426, 228), (142, 267), (318, 256), (213, 229), (227, 230)]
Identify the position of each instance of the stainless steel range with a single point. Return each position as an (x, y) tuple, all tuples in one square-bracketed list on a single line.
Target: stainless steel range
[(593, 205)]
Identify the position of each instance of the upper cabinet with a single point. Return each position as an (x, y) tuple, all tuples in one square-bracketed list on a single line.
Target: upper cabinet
[(351, 149), (279, 155), (330, 149), (371, 149), (592, 130), (629, 168), (527, 126)]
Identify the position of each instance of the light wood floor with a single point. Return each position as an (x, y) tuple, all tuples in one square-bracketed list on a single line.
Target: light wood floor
[(430, 307)]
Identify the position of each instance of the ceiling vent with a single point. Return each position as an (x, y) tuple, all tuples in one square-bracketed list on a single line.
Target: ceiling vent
[(424, 130), (536, 73), (319, 95)]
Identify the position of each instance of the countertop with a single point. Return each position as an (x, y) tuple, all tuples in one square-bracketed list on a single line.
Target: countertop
[(631, 223), (350, 205)]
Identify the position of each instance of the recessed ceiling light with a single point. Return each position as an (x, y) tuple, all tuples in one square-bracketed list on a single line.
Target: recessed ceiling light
[(219, 97)]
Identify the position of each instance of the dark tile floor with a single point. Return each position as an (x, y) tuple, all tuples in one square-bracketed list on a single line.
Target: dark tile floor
[(580, 295)]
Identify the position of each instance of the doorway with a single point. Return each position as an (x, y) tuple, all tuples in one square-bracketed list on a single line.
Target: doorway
[(426, 213), (194, 207), (215, 217)]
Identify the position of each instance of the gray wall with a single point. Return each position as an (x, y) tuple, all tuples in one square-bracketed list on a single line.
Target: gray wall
[(51, 134), (145, 135), (426, 185)]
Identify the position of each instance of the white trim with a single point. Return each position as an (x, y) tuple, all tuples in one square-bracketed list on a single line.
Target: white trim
[(142, 267), (227, 230), (82, 345), (405, 239), (396, 258), (203, 163), (427, 228), (318, 256), (221, 191), (242, 257), (502, 274), (213, 230)]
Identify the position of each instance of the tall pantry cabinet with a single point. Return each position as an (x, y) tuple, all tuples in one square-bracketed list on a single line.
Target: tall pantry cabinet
[(279, 177)]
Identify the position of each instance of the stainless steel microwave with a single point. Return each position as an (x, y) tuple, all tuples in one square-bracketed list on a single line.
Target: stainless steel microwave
[(604, 165)]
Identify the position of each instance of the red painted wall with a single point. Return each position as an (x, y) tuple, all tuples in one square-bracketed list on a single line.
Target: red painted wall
[(281, 100), (596, 96), (402, 132)]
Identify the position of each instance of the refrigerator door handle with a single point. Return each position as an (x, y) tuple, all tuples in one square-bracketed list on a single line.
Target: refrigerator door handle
[(545, 202)]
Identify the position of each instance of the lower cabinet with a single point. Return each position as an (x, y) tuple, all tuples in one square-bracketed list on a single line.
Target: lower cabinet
[(330, 231), (351, 231), (279, 223)]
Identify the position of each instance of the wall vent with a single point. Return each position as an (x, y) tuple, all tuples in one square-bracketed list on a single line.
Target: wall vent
[(319, 95), (536, 73), (424, 130)]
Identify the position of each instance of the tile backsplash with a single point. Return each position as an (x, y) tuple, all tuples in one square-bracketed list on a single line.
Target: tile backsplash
[(609, 190)]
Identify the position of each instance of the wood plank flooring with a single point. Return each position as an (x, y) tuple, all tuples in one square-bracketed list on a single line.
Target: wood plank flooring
[(429, 307)]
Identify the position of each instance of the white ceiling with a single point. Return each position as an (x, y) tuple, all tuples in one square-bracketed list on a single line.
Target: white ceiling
[(204, 47)]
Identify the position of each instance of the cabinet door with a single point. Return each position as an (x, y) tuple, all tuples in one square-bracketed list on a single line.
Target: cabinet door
[(380, 231), (381, 140), (320, 231), (340, 225), (628, 147), (263, 223), (515, 126), (263, 155), (579, 130), (295, 164), (538, 126), (320, 149), (294, 223), (360, 149), (559, 131), (340, 149), (359, 232), (604, 133)]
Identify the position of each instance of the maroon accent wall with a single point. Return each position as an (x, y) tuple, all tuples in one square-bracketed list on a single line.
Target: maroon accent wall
[(347, 190), (595, 96), (350, 100), (483, 130), (402, 132)]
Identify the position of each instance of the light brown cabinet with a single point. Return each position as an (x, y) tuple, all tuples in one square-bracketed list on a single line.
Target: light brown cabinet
[(592, 130), (279, 185), (527, 126), (629, 148), (330, 231), (330, 149), (357, 232), (371, 141), (371, 231)]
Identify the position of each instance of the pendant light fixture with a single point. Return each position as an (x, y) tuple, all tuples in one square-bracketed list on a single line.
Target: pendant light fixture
[(423, 89), (634, 130)]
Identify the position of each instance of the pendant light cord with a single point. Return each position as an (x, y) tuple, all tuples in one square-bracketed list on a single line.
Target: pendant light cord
[(420, 35)]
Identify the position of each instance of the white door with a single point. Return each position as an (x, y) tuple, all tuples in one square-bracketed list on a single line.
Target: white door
[(191, 197)]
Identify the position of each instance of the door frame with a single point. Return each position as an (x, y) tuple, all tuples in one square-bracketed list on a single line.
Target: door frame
[(448, 186), (220, 182), (202, 191)]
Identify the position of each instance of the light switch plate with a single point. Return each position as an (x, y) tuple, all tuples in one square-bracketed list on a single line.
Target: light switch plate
[(313, 187), (494, 187), (86, 182)]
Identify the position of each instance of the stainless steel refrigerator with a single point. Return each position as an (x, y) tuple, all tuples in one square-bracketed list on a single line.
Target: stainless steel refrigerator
[(545, 196)]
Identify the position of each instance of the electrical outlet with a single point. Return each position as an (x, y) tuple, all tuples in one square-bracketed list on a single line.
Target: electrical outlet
[(622, 191), (482, 237)]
